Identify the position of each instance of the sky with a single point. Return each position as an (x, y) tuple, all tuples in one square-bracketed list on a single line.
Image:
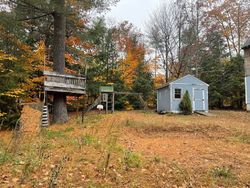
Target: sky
[(135, 11)]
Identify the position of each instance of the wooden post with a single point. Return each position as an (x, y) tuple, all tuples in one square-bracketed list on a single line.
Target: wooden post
[(113, 102), (45, 97), (77, 107), (107, 102)]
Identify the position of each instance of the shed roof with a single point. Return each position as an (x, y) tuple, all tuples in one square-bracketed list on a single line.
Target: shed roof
[(246, 44), (189, 75)]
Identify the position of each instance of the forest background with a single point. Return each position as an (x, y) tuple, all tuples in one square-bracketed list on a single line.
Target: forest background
[(202, 38)]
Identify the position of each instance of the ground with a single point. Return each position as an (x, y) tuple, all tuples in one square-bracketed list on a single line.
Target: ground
[(131, 149)]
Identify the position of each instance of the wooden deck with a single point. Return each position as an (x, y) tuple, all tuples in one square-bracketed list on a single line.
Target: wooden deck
[(65, 83)]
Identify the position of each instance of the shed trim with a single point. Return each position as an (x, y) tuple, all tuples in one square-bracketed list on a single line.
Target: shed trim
[(246, 90), (170, 96), (188, 76), (246, 44), (173, 82), (190, 84), (157, 101)]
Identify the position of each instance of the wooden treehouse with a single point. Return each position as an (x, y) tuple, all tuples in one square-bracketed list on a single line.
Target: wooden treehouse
[(74, 85), (64, 83)]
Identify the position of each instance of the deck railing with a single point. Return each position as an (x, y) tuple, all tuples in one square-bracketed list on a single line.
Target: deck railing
[(64, 82)]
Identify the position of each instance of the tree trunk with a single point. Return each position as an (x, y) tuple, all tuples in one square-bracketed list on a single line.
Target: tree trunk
[(60, 114)]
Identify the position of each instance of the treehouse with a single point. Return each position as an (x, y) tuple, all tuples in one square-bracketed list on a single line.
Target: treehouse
[(64, 83), (61, 83)]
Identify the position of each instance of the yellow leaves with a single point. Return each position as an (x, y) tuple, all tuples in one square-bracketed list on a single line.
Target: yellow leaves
[(38, 55), (2, 114), (15, 93), (99, 78), (4, 56)]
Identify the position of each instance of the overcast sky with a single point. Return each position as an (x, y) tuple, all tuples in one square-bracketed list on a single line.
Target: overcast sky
[(135, 11)]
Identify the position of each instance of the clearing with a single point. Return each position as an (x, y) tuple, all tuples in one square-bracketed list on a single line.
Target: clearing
[(131, 149)]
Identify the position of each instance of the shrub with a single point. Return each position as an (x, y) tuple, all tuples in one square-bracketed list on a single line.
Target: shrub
[(186, 105)]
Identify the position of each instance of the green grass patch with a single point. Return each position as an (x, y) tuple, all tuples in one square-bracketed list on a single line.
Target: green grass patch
[(5, 157), (92, 119), (88, 139), (221, 172), (132, 159), (69, 129), (240, 137), (49, 134)]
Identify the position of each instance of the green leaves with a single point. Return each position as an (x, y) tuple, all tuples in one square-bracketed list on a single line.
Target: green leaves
[(186, 105)]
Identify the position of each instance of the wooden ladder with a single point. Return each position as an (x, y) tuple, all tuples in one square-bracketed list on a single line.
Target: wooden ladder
[(45, 116), (95, 103)]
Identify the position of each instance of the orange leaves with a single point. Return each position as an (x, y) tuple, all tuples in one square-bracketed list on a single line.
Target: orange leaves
[(72, 41), (134, 55)]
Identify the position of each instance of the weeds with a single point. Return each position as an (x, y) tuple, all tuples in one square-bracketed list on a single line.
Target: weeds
[(221, 172), (157, 159), (27, 169), (180, 172), (5, 157), (241, 137), (56, 171), (69, 129), (132, 160), (223, 175), (15, 139), (29, 166), (88, 140)]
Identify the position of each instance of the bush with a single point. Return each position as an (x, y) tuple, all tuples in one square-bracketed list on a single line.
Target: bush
[(186, 105)]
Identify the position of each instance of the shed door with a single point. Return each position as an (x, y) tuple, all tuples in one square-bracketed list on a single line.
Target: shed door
[(199, 100)]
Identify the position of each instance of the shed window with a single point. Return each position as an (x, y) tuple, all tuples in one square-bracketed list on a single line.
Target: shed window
[(177, 93)]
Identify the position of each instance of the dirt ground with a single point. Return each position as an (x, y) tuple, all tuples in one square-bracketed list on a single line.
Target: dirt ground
[(132, 149)]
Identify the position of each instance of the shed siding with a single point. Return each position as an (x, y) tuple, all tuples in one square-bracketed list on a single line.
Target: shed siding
[(163, 99), (189, 80), (247, 92), (190, 88)]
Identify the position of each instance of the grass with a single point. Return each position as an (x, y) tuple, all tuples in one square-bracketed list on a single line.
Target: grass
[(5, 157), (240, 137), (221, 172), (87, 140), (133, 149), (157, 159), (132, 159), (180, 172), (53, 134), (223, 175), (50, 134)]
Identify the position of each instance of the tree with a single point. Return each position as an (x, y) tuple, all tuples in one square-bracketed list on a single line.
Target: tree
[(59, 10), (186, 104), (143, 82), (160, 34), (231, 19), (174, 32), (234, 84), (212, 68)]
